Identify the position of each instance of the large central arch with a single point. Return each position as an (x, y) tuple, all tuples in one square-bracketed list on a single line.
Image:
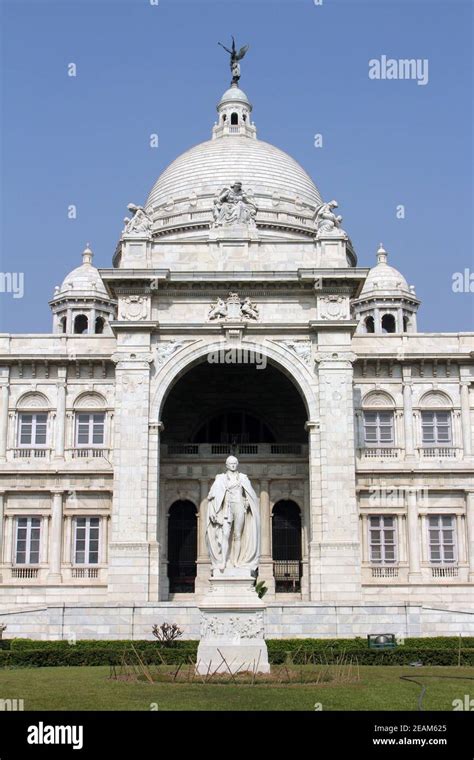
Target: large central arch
[(278, 471), (182, 360)]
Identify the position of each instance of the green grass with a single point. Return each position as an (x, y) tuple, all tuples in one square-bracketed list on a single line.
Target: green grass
[(89, 688)]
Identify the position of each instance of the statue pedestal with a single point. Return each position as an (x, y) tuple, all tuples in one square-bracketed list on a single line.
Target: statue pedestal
[(232, 626)]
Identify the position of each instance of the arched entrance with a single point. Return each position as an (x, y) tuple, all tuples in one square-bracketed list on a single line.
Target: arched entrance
[(182, 547), (287, 548), (208, 410)]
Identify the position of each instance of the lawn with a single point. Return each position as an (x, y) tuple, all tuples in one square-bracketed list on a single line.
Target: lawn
[(89, 688)]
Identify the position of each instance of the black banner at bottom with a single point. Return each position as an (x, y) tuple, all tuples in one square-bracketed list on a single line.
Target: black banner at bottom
[(132, 734)]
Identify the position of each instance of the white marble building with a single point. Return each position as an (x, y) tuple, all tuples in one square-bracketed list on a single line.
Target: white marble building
[(236, 320)]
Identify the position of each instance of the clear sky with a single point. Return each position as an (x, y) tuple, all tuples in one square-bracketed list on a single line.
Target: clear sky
[(144, 68)]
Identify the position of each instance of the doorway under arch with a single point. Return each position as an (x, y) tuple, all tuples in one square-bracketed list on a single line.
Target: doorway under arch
[(287, 546), (182, 547)]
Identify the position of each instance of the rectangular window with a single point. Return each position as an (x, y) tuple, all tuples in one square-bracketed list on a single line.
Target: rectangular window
[(32, 429), (378, 428), (27, 540), (382, 539), (442, 539), (90, 429), (436, 428), (86, 540)]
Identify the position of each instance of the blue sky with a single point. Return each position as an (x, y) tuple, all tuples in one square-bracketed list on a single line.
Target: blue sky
[(143, 68)]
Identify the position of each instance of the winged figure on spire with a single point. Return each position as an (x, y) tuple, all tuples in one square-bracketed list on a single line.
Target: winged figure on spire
[(235, 57)]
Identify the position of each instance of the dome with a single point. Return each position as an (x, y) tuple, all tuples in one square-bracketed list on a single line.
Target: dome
[(384, 278), (84, 280), (234, 94), (182, 199), (212, 165)]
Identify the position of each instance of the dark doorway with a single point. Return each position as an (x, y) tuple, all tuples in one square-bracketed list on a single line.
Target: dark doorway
[(286, 534), (182, 547)]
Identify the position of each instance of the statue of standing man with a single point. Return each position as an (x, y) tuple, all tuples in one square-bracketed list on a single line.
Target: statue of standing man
[(233, 520)]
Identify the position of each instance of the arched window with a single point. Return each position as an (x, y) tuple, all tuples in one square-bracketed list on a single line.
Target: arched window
[(182, 547), (369, 325), (436, 420), (32, 423), (89, 425), (286, 539), (388, 323), (378, 419), (234, 427), (99, 325), (63, 324), (406, 324), (234, 119), (81, 323), (224, 117)]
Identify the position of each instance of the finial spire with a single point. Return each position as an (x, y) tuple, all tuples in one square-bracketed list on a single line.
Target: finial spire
[(235, 57), (381, 255), (87, 255)]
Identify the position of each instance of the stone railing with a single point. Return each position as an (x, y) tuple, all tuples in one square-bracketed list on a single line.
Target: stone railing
[(31, 452), (445, 571), (89, 452), (380, 452), (439, 452), (182, 218), (204, 450)]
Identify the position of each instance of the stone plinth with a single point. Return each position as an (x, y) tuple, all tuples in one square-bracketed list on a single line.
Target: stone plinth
[(232, 626)]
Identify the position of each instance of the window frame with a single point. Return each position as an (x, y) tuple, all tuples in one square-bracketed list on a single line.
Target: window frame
[(383, 544), (28, 538), (442, 561), (436, 426), (34, 425), (90, 444), (87, 540), (377, 426)]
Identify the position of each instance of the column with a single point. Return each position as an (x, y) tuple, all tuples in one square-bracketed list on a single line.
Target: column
[(91, 323), (460, 535), (470, 532), (399, 320), (414, 570), (60, 414), (377, 321), (202, 552), (203, 569), (2, 512), (129, 549), (339, 545), (154, 515), (54, 574), (466, 419), (4, 415), (365, 555), (408, 413), (8, 550), (265, 571)]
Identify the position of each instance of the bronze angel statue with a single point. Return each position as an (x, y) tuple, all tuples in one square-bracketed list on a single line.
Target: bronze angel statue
[(235, 57)]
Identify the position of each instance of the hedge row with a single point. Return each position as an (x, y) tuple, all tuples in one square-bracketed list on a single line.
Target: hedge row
[(71, 656), (76, 655), (400, 656), (139, 644), (305, 645)]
